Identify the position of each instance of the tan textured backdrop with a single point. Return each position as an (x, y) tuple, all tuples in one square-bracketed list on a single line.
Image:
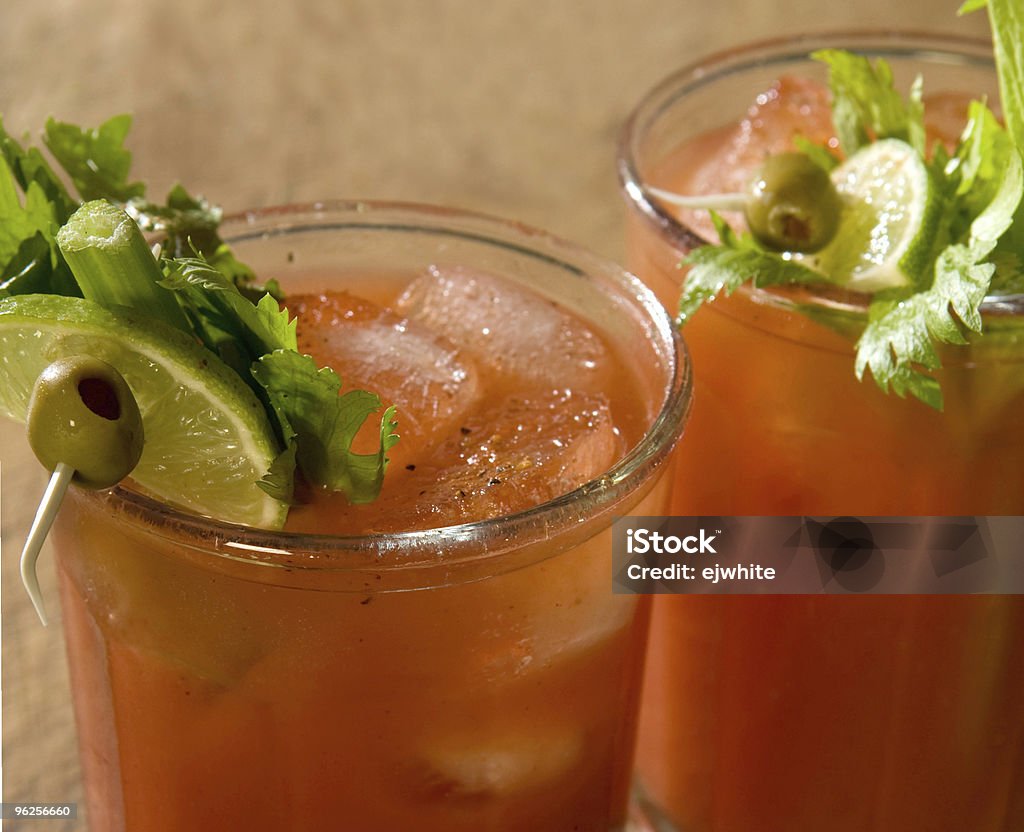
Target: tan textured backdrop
[(508, 106)]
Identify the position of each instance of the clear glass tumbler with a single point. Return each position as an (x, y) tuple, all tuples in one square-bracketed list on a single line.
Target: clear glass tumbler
[(828, 713), (473, 677)]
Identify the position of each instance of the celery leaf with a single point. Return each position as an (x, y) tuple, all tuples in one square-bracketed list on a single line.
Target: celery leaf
[(30, 261), (866, 105), (326, 423), (96, 160), (28, 166), (721, 269)]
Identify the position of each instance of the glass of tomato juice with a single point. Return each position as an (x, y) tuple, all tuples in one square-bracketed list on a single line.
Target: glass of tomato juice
[(837, 714), (449, 657)]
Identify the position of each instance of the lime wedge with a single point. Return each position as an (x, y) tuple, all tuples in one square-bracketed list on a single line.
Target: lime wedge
[(888, 222), (208, 440)]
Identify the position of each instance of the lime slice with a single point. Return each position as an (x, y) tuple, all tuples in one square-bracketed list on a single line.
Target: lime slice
[(888, 221), (208, 440)]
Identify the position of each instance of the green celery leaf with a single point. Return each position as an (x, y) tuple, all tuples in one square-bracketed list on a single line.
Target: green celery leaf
[(22, 222), (898, 343), (96, 160), (960, 286), (279, 481), (223, 259), (981, 154), (189, 225), (975, 172), (992, 223), (29, 166), (235, 328), (366, 471), (866, 105), (227, 321), (715, 270), (325, 423), (19, 222), (32, 271)]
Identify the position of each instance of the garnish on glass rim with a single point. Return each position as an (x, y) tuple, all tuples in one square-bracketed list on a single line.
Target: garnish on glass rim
[(232, 413), (52, 245), (791, 205), (951, 232)]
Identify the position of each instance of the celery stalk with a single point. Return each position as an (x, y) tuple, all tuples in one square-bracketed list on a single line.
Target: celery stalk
[(113, 264)]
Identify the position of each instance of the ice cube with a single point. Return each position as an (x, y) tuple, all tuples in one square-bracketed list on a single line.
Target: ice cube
[(508, 327), (498, 761), (432, 383), (792, 107), (514, 454)]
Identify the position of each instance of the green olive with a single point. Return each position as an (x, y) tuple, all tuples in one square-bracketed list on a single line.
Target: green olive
[(793, 205), (82, 413)]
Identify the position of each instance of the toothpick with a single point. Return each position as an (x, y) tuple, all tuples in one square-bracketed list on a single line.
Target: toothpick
[(45, 514), (716, 202)]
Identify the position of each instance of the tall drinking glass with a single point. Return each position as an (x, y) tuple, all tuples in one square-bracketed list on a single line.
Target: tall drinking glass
[(824, 713), (476, 676)]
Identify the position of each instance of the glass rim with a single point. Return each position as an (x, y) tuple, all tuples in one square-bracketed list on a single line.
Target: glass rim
[(704, 71), (269, 547)]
